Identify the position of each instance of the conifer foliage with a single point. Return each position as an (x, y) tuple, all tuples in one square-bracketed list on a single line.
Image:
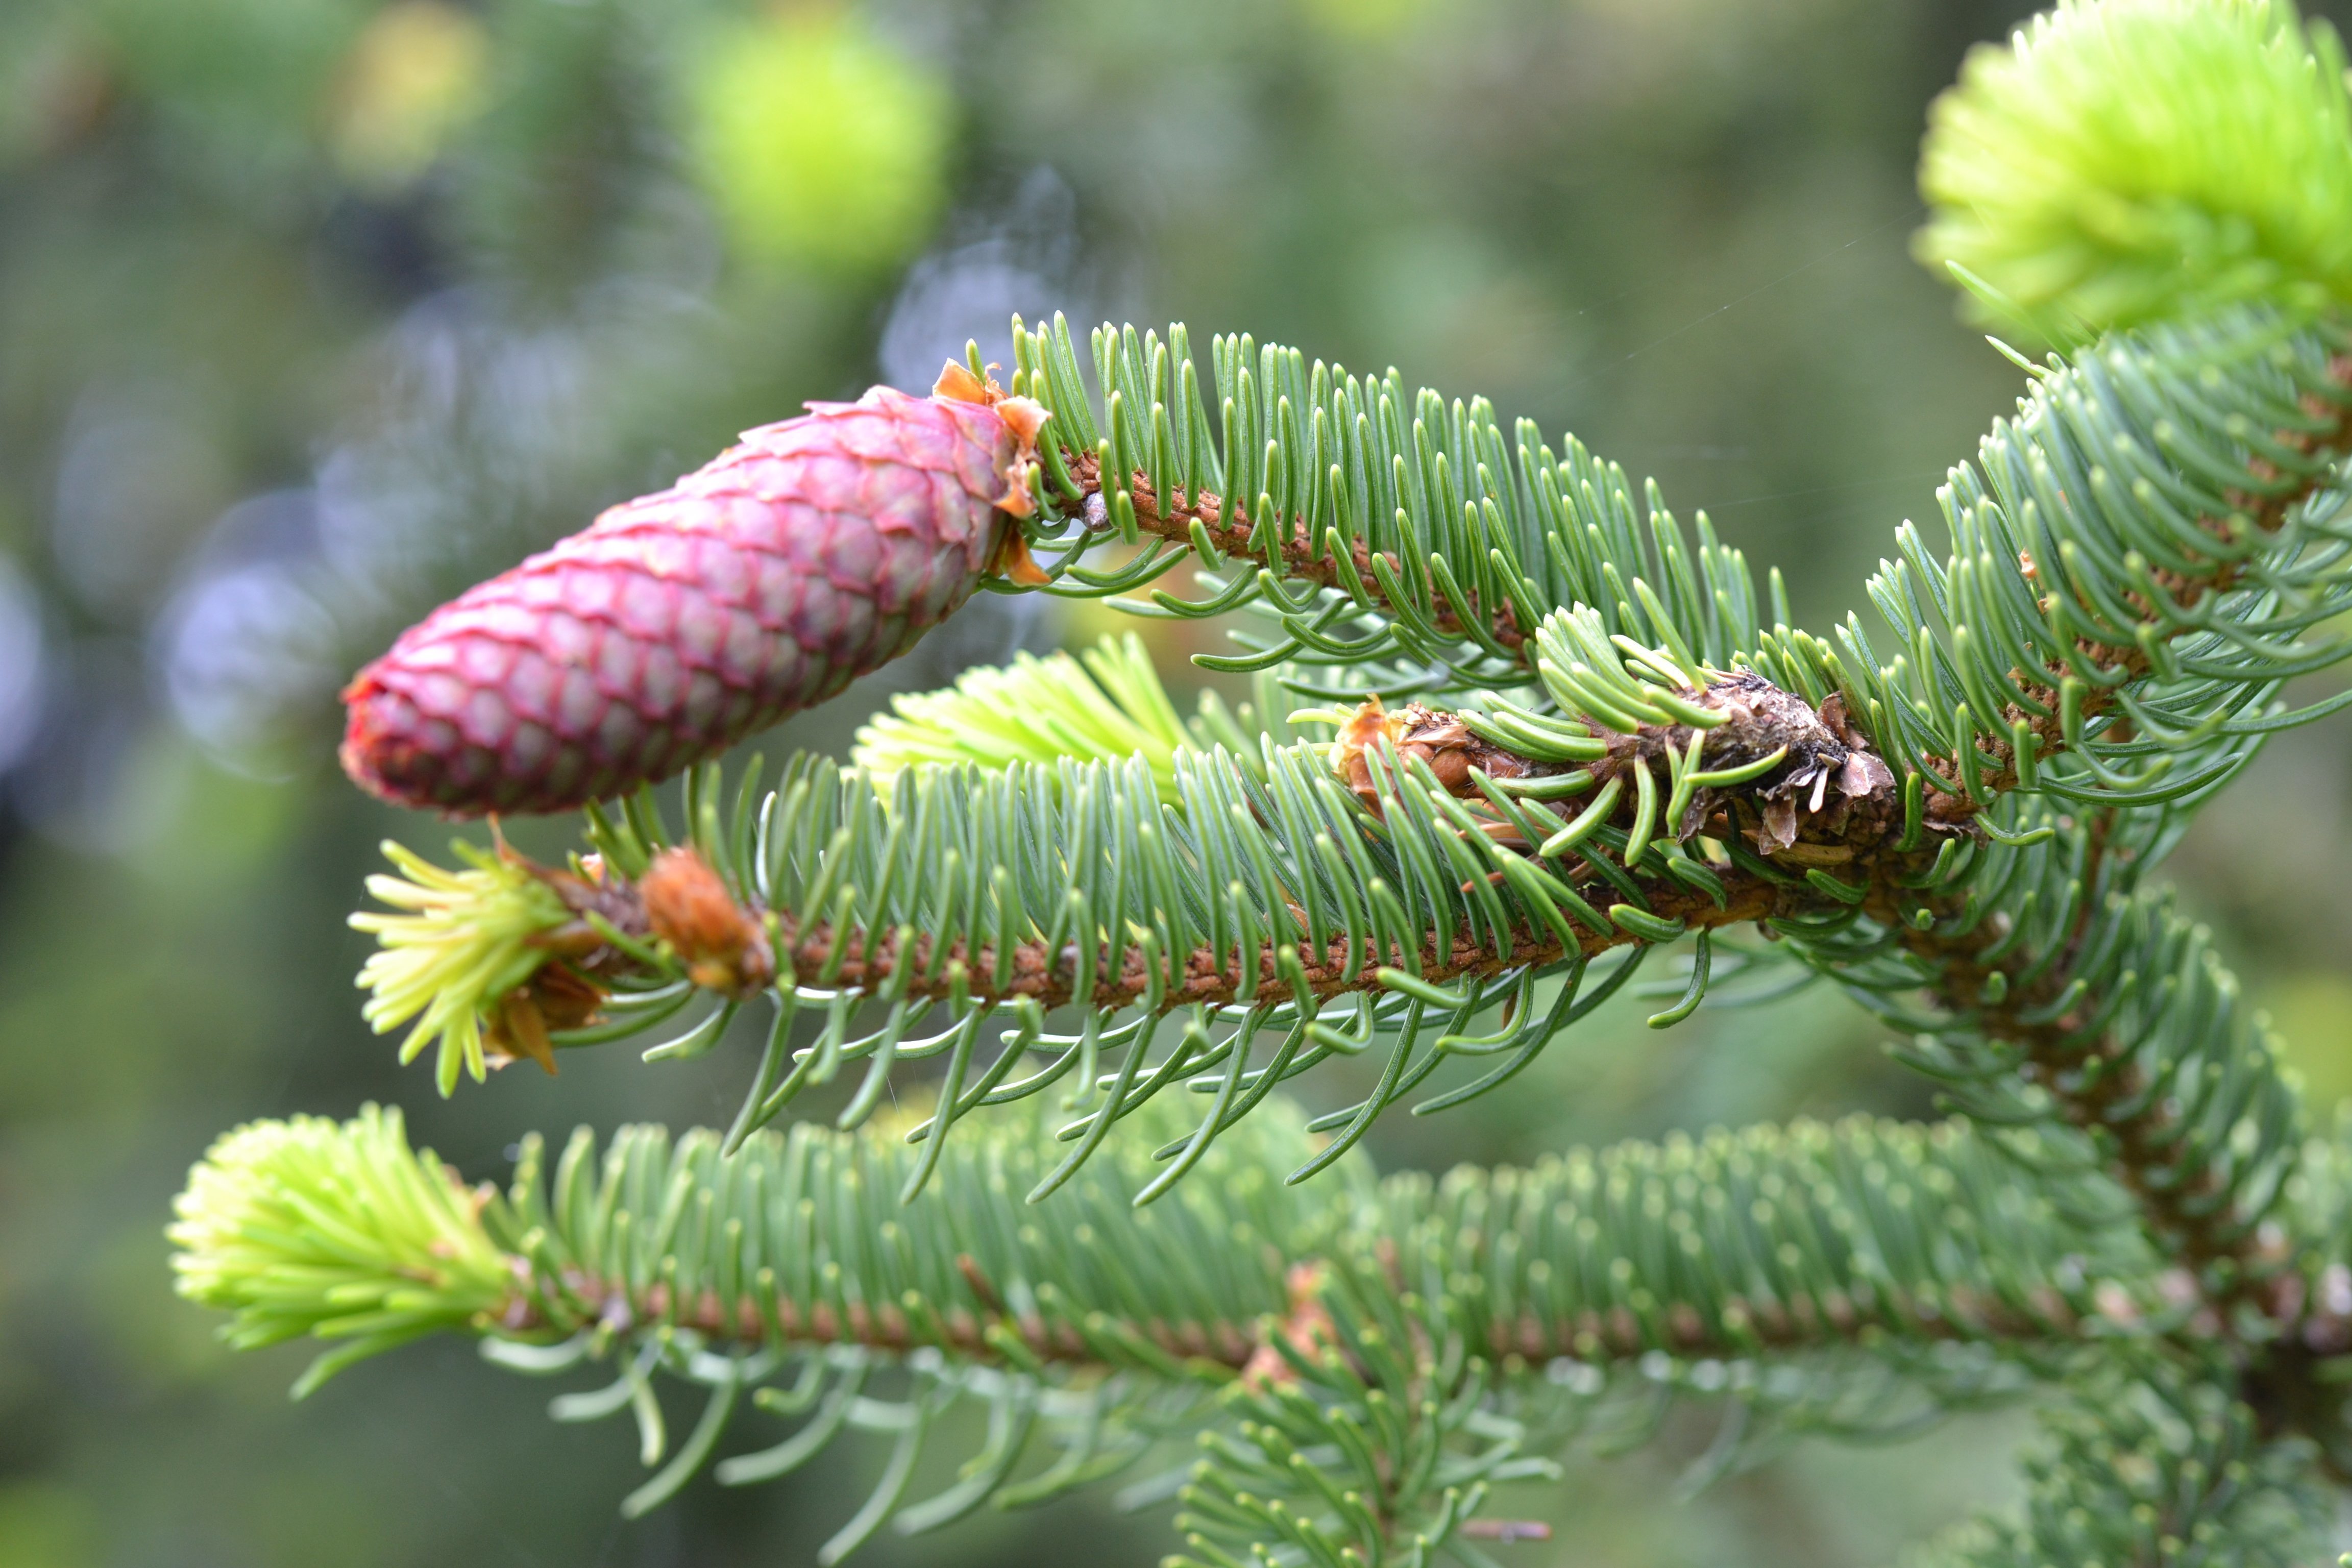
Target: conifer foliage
[(1513, 728)]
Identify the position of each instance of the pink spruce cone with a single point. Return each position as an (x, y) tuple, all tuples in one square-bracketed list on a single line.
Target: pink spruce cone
[(764, 582)]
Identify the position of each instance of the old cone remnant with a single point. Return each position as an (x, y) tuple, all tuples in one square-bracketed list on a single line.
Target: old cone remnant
[(1807, 769), (677, 624)]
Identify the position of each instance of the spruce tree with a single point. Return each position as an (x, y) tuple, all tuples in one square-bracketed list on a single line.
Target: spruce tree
[(1517, 733)]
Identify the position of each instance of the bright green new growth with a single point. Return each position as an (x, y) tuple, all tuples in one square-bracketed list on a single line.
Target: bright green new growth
[(1107, 702), (336, 1231), (1049, 886), (465, 942), (2138, 159)]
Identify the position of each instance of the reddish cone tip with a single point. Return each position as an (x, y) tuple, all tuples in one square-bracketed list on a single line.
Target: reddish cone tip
[(813, 550)]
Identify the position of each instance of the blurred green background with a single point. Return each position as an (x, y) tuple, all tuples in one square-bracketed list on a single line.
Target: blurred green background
[(312, 311)]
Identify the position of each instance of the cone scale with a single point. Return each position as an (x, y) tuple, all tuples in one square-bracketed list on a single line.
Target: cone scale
[(813, 550)]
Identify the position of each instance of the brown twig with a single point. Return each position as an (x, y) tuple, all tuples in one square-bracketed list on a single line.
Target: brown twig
[(581, 1297)]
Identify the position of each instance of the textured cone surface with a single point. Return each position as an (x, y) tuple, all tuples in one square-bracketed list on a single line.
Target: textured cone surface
[(815, 551)]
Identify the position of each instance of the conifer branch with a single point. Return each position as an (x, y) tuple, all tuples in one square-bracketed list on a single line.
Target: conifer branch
[(1231, 532), (757, 1271), (2082, 1007), (1821, 1244), (2148, 1471), (862, 958), (2181, 1185), (2303, 467), (1429, 811)]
